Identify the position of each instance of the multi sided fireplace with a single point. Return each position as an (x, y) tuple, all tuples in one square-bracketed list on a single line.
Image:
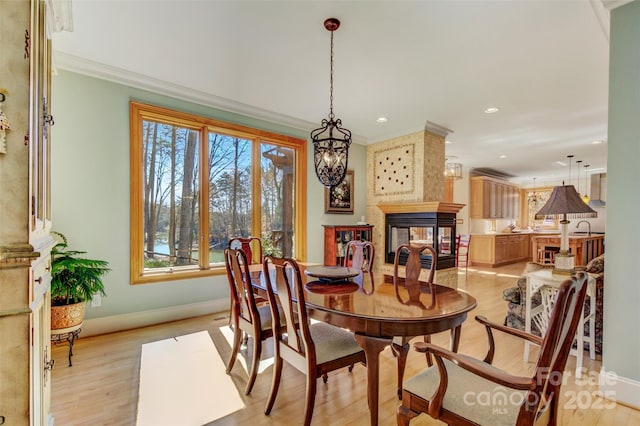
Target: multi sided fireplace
[(422, 223)]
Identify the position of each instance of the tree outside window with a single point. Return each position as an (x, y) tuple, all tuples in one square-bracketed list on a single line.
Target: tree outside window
[(244, 178)]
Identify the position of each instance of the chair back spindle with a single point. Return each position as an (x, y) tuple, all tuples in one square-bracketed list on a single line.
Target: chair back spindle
[(251, 246), (413, 268)]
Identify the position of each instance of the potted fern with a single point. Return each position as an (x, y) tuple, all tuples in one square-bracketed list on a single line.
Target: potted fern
[(74, 282)]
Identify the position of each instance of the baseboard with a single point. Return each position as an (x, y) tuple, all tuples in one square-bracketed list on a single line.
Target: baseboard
[(625, 391), (114, 323)]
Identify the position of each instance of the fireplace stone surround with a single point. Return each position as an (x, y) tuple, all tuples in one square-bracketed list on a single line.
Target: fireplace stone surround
[(405, 176)]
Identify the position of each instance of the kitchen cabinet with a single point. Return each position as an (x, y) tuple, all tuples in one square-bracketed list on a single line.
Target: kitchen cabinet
[(498, 249), (493, 199), (336, 238)]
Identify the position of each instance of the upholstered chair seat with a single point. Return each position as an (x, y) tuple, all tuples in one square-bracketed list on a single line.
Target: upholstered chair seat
[(470, 396), (332, 342)]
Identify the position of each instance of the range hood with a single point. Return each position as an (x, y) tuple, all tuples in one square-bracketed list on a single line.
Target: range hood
[(598, 196)]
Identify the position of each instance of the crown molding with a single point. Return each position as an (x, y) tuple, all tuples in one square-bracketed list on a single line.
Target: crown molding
[(439, 130), (612, 4), (118, 75)]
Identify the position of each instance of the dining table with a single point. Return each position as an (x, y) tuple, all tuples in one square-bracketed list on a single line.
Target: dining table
[(367, 304)]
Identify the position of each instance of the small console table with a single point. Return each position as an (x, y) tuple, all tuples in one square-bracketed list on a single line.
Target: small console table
[(336, 238), (70, 334), (545, 277)]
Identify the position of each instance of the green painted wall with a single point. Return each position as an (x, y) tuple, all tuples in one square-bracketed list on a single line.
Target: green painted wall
[(90, 188), (622, 290)]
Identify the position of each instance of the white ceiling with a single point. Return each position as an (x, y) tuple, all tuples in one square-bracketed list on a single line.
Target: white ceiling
[(543, 63)]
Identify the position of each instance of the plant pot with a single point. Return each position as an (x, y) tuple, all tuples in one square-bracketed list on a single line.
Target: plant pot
[(66, 316)]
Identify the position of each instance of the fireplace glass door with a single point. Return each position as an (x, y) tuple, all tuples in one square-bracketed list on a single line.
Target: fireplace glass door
[(445, 247), (434, 229)]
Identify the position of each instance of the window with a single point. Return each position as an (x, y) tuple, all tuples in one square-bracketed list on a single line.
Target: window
[(197, 182)]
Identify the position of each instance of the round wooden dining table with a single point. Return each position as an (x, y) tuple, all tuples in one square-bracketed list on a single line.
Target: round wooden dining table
[(378, 316)]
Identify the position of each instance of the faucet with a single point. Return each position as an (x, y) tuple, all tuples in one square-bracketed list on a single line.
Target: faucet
[(588, 224)]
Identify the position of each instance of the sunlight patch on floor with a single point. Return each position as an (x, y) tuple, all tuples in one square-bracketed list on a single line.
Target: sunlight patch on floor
[(245, 353), (486, 273), (508, 276), (183, 382)]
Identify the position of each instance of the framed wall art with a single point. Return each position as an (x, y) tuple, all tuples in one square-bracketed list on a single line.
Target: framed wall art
[(339, 199)]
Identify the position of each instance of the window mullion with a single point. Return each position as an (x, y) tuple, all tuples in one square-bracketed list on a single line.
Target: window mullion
[(203, 177), (256, 190)]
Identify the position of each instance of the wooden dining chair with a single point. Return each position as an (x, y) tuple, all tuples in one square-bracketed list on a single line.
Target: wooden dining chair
[(457, 389), (248, 318), (359, 255), (463, 241), (414, 289), (314, 349), (252, 248)]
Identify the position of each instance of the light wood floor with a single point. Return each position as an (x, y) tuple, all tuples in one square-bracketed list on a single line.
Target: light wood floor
[(102, 386)]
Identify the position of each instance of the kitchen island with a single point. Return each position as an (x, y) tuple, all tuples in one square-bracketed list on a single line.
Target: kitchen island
[(497, 249), (502, 248), (584, 246)]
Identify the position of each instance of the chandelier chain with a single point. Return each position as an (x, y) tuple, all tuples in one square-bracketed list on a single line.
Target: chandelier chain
[(331, 115)]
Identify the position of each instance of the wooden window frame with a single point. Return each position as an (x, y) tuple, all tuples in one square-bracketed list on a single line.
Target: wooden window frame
[(140, 112)]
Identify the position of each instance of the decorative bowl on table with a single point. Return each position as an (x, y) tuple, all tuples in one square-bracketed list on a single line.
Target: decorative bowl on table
[(336, 288), (331, 274)]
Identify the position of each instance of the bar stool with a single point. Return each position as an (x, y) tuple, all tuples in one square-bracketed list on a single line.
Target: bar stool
[(546, 257)]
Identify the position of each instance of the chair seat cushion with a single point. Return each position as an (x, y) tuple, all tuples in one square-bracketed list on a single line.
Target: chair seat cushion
[(470, 396), (266, 320), (265, 316), (332, 342)]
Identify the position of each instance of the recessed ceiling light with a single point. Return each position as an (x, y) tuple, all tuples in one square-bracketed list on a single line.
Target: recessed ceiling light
[(503, 156), (382, 119), (596, 142), (491, 110), (448, 141), (561, 163)]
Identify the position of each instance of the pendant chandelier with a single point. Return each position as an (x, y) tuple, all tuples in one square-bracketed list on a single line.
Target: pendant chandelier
[(452, 170), (331, 141), (533, 197), (578, 162), (585, 197)]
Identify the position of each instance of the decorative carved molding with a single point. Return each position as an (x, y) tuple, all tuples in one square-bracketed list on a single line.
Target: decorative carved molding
[(15, 255), (421, 207), (13, 312)]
